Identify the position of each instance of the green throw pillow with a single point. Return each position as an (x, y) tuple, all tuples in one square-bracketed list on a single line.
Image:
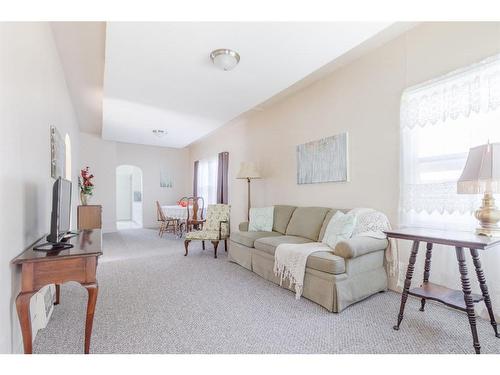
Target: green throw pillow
[(261, 219)]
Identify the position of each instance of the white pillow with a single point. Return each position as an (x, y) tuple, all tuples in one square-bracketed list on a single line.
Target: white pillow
[(261, 219), (339, 228)]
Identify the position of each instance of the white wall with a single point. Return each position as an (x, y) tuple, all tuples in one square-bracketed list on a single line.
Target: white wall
[(33, 96), (104, 156)]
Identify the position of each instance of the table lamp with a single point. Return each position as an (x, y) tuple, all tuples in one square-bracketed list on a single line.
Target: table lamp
[(248, 171), (481, 175)]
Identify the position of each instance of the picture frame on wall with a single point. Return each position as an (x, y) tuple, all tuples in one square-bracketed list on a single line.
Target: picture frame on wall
[(165, 179), (323, 160)]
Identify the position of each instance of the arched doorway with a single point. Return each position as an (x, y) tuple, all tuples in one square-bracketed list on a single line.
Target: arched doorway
[(128, 197)]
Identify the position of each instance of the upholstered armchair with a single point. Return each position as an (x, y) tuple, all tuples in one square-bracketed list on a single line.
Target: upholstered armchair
[(215, 228)]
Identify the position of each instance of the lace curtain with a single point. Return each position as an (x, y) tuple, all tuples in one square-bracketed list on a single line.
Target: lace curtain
[(440, 121)]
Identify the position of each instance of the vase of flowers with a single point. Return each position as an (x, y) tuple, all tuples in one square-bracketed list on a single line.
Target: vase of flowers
[(86, 186)]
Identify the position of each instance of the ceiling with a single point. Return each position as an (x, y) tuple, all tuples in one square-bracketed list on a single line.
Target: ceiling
[(81, 50), (160, 76)]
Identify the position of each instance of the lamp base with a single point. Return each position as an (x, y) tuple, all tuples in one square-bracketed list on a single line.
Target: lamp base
[(489, 232), (488, 216)]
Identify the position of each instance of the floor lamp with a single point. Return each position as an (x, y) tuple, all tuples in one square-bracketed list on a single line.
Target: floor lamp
[(248, 171)]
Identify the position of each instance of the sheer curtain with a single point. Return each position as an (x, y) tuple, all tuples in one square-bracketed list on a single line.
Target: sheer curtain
[(207, 180), (440, 121)]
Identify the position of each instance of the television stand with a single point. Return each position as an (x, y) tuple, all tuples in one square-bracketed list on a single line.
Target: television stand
[(43, 268)]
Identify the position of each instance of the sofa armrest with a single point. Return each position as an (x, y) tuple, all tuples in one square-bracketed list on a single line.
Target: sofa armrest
[(243, 227), (357, 246)]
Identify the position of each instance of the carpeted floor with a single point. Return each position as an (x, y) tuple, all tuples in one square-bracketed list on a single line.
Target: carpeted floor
[(152, 299)]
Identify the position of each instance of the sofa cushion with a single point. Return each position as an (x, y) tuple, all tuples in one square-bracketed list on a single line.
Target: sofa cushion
[(282, 215), (328, 216), (306, 222), (248, 238), (268, 244), (324, 261)]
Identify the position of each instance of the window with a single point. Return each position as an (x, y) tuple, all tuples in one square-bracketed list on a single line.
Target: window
[(207, 180), (440, 121)]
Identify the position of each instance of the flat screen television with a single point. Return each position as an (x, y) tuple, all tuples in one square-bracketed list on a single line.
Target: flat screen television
[(60, 216)]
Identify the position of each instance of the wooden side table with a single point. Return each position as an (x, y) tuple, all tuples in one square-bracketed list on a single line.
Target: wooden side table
[(462, 300), (38, 269)]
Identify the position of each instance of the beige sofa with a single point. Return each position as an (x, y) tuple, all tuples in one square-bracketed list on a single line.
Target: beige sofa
[(353, 271)]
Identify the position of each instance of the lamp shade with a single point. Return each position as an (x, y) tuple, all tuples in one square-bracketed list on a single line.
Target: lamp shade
[(482, 170), (248, 170)]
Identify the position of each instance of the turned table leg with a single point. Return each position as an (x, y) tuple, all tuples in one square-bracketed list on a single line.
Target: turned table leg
[(58, 294), (406, 288), (427, 270), (92, 290), (469, 304), (23, 312), (484, 289)]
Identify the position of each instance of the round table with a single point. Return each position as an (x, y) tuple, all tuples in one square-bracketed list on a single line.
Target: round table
[(175, 212)]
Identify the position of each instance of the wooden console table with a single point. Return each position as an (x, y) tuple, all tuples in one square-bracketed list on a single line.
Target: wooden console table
[(38, 269), (462, 300)]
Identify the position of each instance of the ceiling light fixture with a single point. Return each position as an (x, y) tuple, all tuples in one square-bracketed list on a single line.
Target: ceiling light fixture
[(159, 132), (225, 59)]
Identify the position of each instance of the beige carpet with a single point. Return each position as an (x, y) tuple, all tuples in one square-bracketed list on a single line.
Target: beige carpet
[(152, 299)]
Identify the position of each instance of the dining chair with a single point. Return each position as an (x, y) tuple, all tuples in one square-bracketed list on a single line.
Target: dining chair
[(195, 213), (166, 222)]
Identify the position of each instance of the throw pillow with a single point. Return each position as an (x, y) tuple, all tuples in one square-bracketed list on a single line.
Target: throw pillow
[(339, 228), (261, 219)]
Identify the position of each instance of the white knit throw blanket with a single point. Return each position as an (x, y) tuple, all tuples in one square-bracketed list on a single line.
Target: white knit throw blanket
[(290, 262), (373, 223)]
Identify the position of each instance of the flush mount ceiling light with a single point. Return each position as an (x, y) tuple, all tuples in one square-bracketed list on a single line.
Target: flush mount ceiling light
[(159, 132), (225, 59)]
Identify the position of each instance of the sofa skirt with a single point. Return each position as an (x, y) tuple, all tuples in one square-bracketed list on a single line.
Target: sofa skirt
[(240, 254)]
